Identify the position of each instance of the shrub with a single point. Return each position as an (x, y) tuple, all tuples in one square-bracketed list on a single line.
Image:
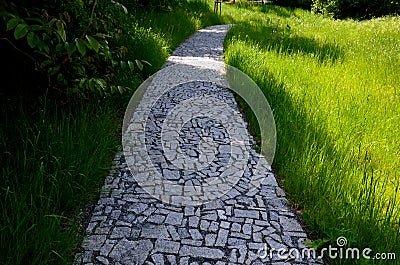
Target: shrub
[(294, 3), (359, 9), (165, 5), (69, 42)]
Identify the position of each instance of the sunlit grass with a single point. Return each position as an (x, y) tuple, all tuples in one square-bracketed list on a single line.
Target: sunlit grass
[(333, 87)]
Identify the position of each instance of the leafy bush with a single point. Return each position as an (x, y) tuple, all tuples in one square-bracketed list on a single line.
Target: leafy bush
[(359, 9), (294, 3), (161, 4), (70, 42), (158, 5), (144, 44)]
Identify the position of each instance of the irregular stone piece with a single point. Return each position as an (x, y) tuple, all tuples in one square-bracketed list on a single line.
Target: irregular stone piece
[(222, 238), (154, 231), (247, 213), (174, 218), (210, 239), (201, 252), (166, 246), (128, 252), (194, 221)]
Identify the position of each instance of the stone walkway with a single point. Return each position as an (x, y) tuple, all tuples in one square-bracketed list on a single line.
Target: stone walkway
[(238, 224)]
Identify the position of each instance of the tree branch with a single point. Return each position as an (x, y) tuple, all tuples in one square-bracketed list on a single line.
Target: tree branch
[(21, 51), (90, 19), (83, 34)]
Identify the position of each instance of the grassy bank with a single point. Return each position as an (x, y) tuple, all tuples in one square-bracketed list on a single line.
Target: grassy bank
[(54, 159), (334, 89), (56, 152)]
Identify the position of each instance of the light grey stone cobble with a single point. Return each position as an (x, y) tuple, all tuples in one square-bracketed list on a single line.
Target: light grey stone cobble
[(166, 246), (202, 252), (129, 226)]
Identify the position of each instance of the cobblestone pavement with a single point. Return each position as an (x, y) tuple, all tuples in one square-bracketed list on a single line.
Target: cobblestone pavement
[(240, 226)]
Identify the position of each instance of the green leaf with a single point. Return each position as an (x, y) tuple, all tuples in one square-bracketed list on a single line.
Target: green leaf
[(139, 64), (146, 62), (43, 47), (61, 30), (100, 83), (121, 89), (59, 48), (123, 65), (91, 84), (32, 39), (94, 44), (102, 35), (80, 69), (12, 23), (20, 31), (60, 77), (37, 27), (82, 82), (54, 20), (122, 6), (80, 44), (45, 63), (131, 65), (71, 48), (53, 70)]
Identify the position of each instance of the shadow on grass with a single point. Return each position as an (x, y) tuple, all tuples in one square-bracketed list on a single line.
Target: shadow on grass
[(54, 160), (283, 40), (268, 8), (280, 11)]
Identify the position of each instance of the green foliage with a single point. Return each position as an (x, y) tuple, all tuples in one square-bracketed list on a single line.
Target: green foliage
[(154, 5), (150, 36), (144, 46), (70, 43), (166, 5), (294, 3), (359, 9)]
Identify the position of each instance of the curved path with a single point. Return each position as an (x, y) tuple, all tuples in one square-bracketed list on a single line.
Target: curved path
[(129, 226)]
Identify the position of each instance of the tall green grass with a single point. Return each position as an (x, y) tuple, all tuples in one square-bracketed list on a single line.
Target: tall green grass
[(56, 152), (54, 159), (334, 90)]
